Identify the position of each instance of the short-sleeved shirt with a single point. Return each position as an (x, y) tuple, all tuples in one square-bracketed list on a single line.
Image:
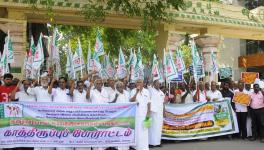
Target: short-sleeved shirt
[(5, 93), (41, 94), (214, 95), (98, 97), (79, 96), (61, 95), (22, 96), (257, 100), (143, 98), (121, 98), (110, 92)]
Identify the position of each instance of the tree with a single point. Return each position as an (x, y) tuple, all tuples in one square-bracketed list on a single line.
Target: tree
[(152, 11)]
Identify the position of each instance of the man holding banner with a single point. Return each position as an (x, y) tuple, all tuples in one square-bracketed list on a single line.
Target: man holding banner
[(241, 95)]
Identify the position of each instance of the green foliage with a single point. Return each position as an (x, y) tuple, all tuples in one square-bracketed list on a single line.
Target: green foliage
[(187, 57), (152, 12), (112, 39)]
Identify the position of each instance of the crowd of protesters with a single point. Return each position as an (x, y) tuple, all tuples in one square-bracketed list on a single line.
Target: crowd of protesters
[(150, 96)]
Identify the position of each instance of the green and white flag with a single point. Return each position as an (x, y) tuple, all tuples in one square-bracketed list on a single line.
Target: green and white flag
[(78, 59), (170, 68), (89, 59), (197, 63), (69, 64), (29, 60), (10, 51), (109, 67), (180, 62), (99, 47), (38, 58), (139, 68), (96, 63), (121, 68), (54, 47), (132, 66), (156, 74), (4, 68)]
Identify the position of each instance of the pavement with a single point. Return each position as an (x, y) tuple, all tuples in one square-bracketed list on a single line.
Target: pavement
[(221, 144)]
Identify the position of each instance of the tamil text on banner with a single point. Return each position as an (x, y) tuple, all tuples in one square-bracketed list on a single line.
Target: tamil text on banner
[(66, 125), (249, 77), (242, 98), (199, 120)]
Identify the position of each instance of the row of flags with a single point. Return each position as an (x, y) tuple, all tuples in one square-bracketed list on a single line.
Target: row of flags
[(169, 69)]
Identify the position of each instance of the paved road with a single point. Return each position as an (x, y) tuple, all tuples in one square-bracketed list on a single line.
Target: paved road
[(213, 145)]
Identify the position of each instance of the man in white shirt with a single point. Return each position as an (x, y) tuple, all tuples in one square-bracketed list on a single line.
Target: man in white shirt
[(60, 94), (141, 95), (78, 94), (110, 88), (241, 111), (41, 92), (120, 96), (157, 104), (214, 94), (200, 95), (22, 95), (42, 95), (98, 95)]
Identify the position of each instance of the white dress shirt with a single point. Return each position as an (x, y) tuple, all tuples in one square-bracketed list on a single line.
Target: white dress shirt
[(143, 98), (79, 97), (98, 97), (214, 95), (61, 95), (22, 96), (41, 94), (121, 98)]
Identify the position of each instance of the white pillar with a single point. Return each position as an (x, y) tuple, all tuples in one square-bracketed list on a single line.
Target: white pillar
[(208, 44)]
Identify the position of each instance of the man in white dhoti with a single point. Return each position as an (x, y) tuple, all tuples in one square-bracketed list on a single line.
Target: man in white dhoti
[(60, 94), (120, 96), (42, 95), (98, 95), (141, 95), (157, 104)]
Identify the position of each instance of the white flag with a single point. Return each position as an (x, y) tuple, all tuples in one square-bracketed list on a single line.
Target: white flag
[(99, 47), (170, 68), (78, 58), (10, 51), (121, 69), (39, 55), (54, 47)]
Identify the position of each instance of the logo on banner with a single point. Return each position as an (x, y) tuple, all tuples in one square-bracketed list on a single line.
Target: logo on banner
[(12, 110)]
